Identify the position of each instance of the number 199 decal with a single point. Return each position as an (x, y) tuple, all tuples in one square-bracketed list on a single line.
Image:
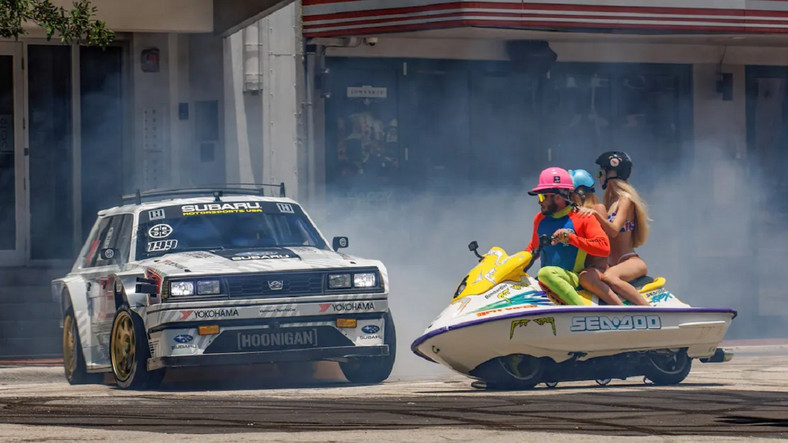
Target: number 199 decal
[(162, 245)]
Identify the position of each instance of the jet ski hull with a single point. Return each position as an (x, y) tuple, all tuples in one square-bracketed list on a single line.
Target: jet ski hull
[(561, 333)]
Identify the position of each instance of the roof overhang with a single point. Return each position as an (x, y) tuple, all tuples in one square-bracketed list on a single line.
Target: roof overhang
[(230, 16), (334, 18)]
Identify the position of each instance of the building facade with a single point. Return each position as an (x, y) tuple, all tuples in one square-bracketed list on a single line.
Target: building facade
[(359, 106), (450, 97), (80, 126)]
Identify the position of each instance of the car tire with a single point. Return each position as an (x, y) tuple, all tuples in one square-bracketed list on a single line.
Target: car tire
[(668, 367), (73, 358), (373, 369), (129, 352)]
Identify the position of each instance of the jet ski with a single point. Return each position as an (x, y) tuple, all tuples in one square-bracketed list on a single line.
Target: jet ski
[(505, 330)]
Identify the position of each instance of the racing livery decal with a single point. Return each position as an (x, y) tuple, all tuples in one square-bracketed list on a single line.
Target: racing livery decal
[(523, 323), (156, 214), (286, 208), (161, 230), (209, 313), (221, 208), (348, 306), (370, 329), (259, 254), (297, 338)]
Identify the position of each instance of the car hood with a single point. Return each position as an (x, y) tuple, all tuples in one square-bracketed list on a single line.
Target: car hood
[(238, 261)]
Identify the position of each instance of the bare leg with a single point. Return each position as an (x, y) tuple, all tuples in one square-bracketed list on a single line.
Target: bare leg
[(591, 279), (618, 276)]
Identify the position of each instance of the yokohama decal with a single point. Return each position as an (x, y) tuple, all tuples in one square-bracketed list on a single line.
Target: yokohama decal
[(348, 307), (209, 314)]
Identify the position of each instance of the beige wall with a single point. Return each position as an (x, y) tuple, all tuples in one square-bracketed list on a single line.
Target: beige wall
[(153, 15)]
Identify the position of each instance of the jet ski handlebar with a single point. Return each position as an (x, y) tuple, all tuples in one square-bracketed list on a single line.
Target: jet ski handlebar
[(473, 246), (544, 240)]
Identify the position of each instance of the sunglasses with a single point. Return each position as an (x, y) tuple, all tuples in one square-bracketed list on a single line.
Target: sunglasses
[(600, 173), (543, 197)]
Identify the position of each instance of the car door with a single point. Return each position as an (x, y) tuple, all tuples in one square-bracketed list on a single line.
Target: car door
[(114, 233)]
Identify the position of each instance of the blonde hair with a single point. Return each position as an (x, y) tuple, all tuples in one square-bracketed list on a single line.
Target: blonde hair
[(590, 202), (621, 188)]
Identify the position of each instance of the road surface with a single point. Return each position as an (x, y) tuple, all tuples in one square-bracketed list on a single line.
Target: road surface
[(746, 398)]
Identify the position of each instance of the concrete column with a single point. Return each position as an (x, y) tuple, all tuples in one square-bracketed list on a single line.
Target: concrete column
[(151, 112), (282, 59), (239, 162), (180, 128)]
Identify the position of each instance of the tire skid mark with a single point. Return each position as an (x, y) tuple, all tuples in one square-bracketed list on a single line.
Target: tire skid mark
[(735, 412)]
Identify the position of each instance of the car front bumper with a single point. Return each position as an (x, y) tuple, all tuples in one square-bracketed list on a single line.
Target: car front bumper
[(335, 353)]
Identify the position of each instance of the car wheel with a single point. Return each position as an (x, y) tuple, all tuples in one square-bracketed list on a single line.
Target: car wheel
[(668, 367), (514, 371), (73, 358), (373, 369), (129, 352)]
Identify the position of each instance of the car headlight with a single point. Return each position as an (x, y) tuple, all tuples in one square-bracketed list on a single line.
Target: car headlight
[(338, 281), (209, 287), (181, 288), (365, 280)]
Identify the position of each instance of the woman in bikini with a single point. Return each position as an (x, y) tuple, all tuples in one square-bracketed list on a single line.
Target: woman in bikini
[(625, 222), (585, 199)]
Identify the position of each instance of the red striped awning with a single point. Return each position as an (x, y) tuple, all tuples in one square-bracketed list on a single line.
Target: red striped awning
[(327, 18)]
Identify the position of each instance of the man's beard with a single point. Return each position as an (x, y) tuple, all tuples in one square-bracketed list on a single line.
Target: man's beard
[(551, 208)]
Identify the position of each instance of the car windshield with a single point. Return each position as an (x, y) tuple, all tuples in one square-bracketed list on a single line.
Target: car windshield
[(224, 225)]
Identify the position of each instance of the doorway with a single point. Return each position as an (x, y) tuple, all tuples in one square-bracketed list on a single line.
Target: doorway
[(12, 156)]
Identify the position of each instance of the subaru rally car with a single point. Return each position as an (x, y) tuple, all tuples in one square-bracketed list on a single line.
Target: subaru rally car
[(228, 279)]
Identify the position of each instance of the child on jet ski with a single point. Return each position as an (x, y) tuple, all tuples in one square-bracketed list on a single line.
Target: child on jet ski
[(573, 236), (625, 221), (584, 197)]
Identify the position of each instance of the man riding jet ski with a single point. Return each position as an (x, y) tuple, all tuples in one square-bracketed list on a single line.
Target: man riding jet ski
[(509, 330), (573, 237)]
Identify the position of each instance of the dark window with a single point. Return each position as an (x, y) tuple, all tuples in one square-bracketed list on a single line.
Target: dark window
[(7, 155), (51, 159)]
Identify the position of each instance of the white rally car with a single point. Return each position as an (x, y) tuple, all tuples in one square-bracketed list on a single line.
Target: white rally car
[(226, 279)]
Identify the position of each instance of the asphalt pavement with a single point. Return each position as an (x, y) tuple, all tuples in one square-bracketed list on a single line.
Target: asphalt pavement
[(744, 399)]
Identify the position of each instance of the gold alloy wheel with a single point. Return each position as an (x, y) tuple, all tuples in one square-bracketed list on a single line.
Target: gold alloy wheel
[(123, 346), (69, 346)]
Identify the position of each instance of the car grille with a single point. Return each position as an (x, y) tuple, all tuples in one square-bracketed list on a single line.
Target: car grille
[(277, 284), (292, 283)]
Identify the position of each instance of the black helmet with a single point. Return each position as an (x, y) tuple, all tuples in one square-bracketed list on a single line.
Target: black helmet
[(616, 161)]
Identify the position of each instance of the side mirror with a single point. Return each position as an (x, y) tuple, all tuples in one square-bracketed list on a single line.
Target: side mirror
[(110, 254), (340, 242)]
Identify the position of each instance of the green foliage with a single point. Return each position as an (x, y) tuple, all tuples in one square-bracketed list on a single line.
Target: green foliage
[(72, 26)]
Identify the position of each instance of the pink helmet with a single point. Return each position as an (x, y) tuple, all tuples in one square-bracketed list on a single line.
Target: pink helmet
[(552, 179)]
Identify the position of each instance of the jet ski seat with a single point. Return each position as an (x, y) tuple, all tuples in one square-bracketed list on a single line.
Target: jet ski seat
[(648, 283), (639, 282)]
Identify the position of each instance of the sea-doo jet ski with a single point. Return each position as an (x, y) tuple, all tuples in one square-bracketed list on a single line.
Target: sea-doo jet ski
[(506, 330)]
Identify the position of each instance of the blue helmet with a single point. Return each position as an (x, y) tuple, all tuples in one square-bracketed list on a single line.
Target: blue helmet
[(581, 177)]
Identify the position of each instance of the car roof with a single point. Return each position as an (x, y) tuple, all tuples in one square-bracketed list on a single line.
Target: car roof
[(148, 205)]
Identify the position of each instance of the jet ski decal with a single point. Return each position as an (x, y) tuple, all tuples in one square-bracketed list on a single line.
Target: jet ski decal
[(523, 323), (529, 297), (617, 323)]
